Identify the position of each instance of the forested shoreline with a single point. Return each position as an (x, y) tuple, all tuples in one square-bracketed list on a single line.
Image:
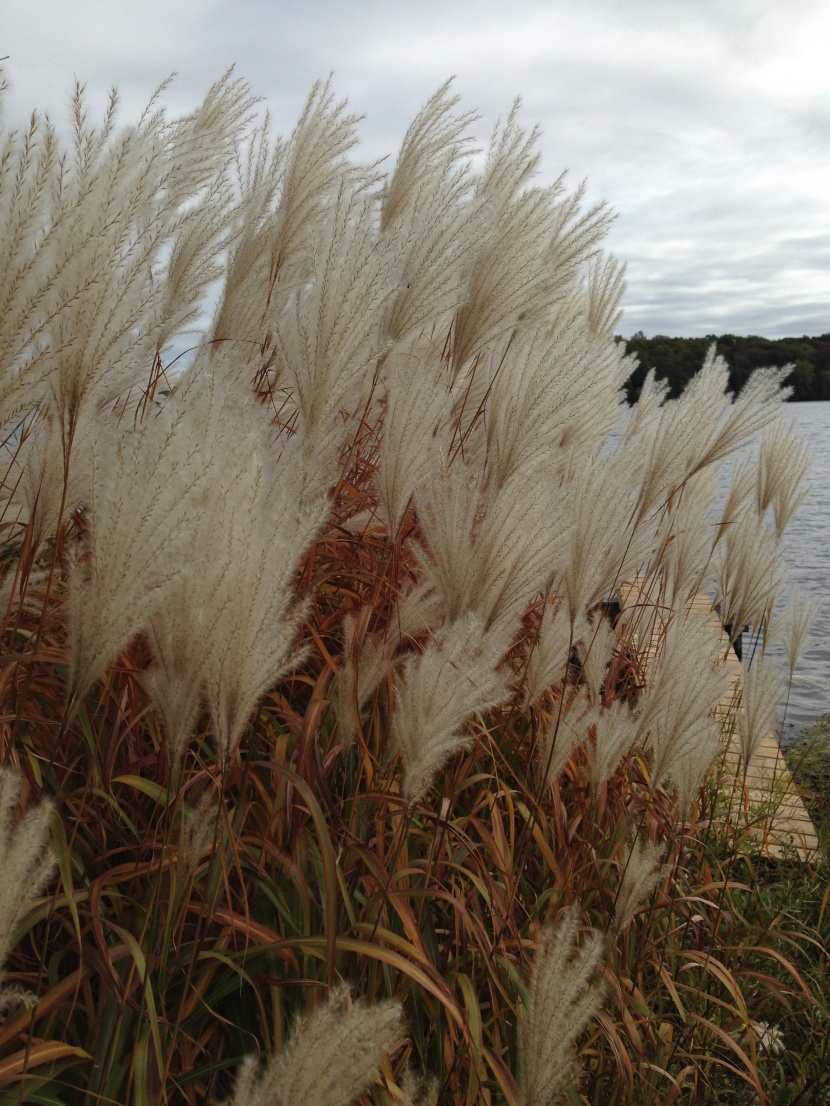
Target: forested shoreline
[(678, 359)]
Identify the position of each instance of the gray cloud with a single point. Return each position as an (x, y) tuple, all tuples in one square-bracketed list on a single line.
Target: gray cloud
[(705, 125)]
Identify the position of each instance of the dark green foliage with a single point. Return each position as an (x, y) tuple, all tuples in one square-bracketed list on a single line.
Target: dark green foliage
[(678, 359)]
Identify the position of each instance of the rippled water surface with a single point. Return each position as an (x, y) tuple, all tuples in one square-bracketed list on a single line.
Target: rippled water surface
[(808, 559)]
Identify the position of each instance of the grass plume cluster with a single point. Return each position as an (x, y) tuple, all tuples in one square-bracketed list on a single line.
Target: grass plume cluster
[(354, 793)]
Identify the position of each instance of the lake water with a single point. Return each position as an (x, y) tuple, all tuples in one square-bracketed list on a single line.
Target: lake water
[(807, 542)]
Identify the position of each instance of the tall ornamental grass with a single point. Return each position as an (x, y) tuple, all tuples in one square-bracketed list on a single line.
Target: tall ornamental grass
[(327, 777)]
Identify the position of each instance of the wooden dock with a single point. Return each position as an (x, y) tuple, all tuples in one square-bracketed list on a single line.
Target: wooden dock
[(766, 805)]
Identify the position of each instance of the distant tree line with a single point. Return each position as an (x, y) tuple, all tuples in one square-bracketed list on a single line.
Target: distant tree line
[(678, 359)]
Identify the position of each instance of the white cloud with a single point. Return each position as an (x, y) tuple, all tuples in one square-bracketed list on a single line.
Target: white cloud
[(705, 125)]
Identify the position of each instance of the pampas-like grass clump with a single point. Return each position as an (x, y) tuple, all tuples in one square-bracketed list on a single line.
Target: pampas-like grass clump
[(350, 559)]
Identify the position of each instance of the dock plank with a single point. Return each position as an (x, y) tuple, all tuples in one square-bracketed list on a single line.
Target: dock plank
[(781, 824)]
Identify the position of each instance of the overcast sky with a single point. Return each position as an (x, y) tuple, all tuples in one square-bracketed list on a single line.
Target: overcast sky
[(704, 123)]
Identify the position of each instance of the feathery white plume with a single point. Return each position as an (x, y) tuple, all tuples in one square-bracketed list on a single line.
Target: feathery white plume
[(602, 547), (686, 537), (417, 399), (424, 207), (271, 258), (140, 526), (507, 268), (518, 540), (329, 1059), (198, 827), (226, 630), (762, 690), (264, 529), (702, 427), (641, 872), (436, 138), (562, 1000), (749, 571), (27, 863), (331, 332), (615, 734), (456, 676), (449, 505), (676, 714), (568, 726), (783, 462), (39, 494), (689, 771), (742, 487), (419, 1092), (549, 656), (803, 612)]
